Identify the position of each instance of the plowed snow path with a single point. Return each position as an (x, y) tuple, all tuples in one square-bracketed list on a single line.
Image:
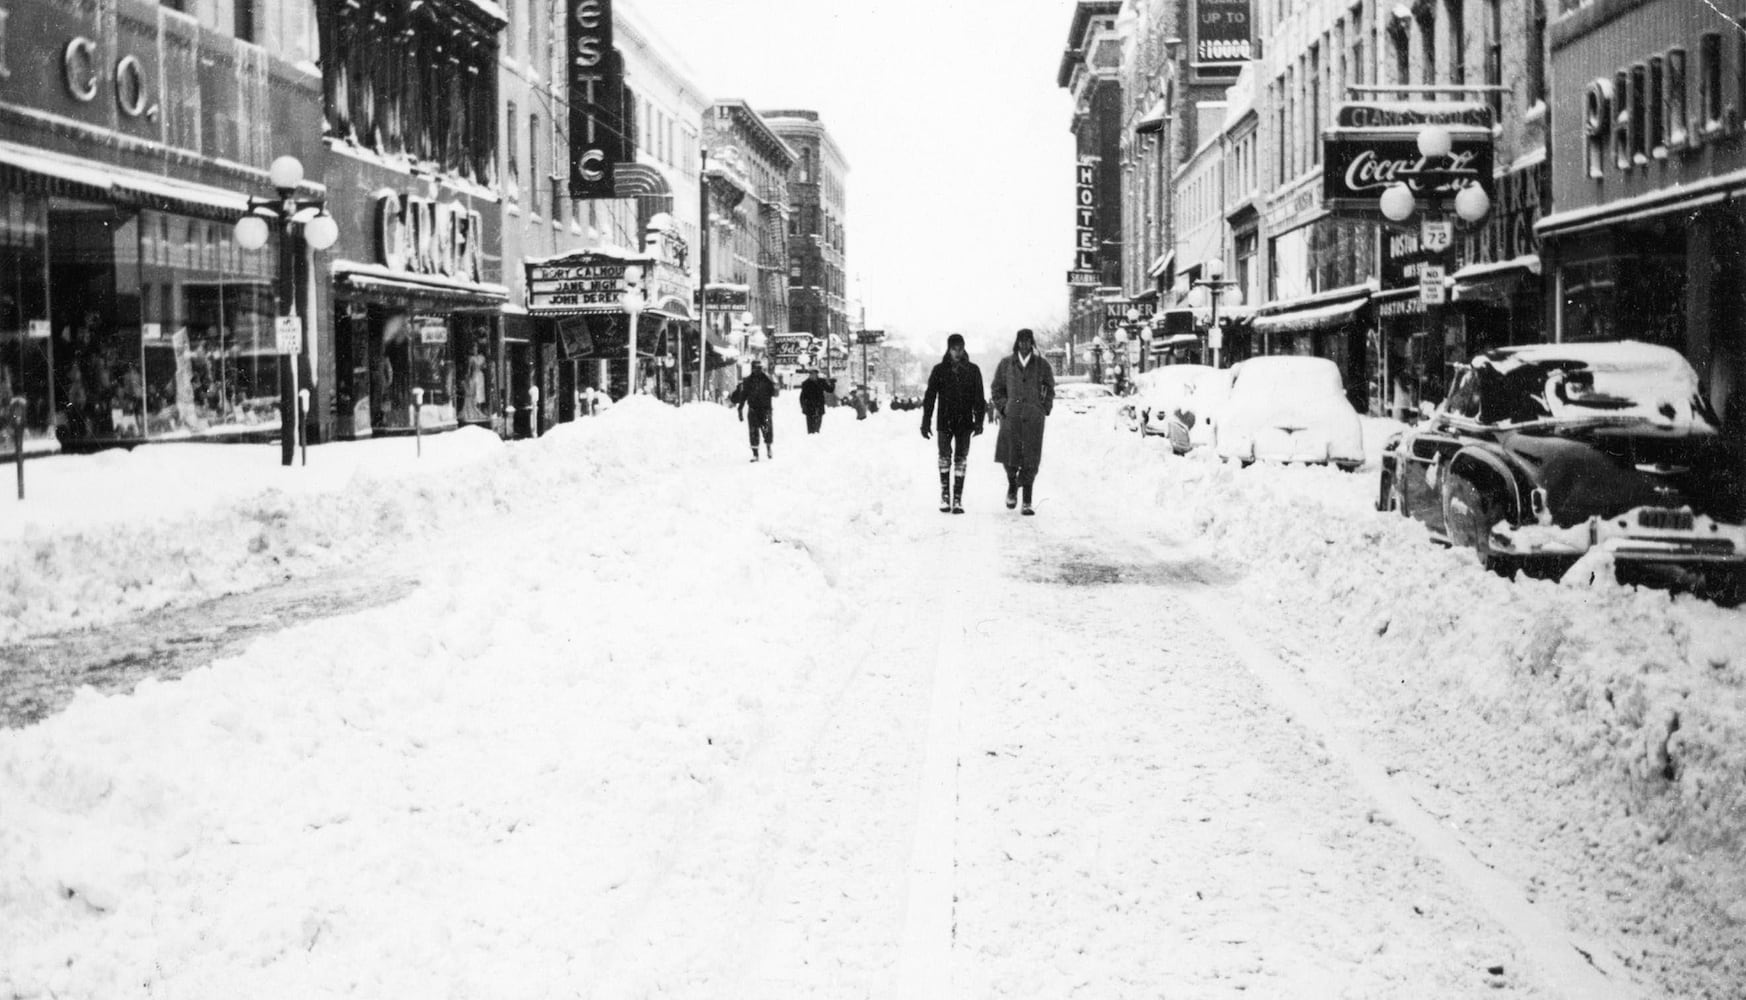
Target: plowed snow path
[(799, 736)]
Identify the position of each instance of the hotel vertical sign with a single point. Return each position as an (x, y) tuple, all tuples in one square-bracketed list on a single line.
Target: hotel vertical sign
[(597, 113), (1085, 270)]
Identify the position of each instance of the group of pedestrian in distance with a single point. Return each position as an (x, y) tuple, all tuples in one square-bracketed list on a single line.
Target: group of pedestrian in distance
[(954, 409)]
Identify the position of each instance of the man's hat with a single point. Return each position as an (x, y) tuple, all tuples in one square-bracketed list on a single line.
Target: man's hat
[(955, 340), (757, 362)]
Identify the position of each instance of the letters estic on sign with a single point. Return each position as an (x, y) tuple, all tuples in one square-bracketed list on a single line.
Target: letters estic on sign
[(598, 125)]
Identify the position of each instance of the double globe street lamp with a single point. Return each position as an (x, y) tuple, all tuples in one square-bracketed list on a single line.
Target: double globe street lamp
[(1426, 188), (288, 215)]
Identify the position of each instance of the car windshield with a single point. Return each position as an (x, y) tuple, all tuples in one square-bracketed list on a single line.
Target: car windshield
[(1652, 385)]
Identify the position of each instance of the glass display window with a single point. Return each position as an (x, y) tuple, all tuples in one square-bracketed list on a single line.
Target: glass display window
[(209, 365)]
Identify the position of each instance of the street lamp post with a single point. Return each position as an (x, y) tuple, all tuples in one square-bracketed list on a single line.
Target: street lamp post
[(288, 214), (1208, 291), (633, 296), (1423, 188), (1135, 329)]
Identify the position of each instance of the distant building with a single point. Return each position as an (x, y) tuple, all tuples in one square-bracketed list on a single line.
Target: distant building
[(748, 171), (1090, 70), (817, 233)]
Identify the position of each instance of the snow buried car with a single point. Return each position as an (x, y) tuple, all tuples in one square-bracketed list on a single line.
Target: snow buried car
[(1178, 402), (1288, 408), (1540, 455)]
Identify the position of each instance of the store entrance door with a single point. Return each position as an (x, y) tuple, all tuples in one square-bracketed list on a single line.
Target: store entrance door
[(518, 356)]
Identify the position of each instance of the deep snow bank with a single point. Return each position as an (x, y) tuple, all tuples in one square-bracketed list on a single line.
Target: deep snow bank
[(1611, 718), (111, 535)]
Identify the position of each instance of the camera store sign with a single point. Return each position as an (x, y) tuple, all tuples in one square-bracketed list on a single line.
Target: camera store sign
[(425, 236), (1362, 161)]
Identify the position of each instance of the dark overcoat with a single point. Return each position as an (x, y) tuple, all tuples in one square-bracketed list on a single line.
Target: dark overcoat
[(1023, 395), (957, 390)]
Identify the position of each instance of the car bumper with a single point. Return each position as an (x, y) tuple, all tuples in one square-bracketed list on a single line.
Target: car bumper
[(1640, 535)]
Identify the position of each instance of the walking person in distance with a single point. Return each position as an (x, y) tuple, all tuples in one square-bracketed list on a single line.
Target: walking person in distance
[(955, 385), (757, 393), (1023, 395), (812, 402)]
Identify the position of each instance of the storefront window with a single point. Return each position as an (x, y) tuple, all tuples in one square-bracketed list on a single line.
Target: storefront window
[(411, 350), (210, 364), (24, 316), (93, 254)]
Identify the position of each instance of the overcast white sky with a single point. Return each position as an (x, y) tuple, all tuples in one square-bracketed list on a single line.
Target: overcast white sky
[(960, 186)]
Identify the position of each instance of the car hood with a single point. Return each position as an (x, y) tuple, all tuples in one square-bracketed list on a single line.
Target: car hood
[(1606, 471)]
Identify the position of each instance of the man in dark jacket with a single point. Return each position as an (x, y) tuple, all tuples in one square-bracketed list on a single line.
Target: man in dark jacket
[(956, 386), (1023, 394), (757, 393), (812, 402)]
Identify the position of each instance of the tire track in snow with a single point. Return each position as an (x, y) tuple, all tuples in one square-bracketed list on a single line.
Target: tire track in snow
[(1580, 970)]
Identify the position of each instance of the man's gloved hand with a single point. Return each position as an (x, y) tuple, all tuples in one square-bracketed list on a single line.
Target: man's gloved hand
[(742, 416), (976, 431), (927, 432)]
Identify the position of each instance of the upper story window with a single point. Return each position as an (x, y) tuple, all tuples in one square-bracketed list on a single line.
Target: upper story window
[(418, 81)]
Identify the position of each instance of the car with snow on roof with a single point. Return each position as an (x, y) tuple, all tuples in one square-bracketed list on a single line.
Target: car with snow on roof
[(1179, 402), (1542, 454), (1288, 408)]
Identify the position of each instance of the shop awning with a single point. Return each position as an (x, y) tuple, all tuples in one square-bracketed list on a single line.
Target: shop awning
[(1494, 281), (49, 172), (1315, 318), (387, 281), (1153, 120), (1680, 198), (1162, 265)]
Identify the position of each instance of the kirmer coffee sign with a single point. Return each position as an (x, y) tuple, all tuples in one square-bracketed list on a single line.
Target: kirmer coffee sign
[(595, 72), (1373, 146)]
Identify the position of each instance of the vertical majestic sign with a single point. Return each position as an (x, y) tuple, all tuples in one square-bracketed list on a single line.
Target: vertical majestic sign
[(596, 79)]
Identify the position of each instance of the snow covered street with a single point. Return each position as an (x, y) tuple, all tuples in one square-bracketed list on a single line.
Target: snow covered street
[(653, 721)]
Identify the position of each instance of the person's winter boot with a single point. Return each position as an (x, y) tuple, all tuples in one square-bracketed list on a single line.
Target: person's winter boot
[(754, 454), (1027, 508), (945, 487), (958, 492), (767, 452), (1011, 490)]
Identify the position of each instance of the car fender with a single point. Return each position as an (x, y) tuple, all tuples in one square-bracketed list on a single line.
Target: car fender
[(1482, 465)]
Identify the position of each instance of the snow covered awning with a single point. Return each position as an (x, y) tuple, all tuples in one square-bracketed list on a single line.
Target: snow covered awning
[(1162, 265), (1304, 320), (375, 277), (59, 173), (1153, 120)]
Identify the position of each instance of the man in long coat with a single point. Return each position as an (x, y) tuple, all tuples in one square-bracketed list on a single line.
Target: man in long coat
[(1023, 395), (956, 386)]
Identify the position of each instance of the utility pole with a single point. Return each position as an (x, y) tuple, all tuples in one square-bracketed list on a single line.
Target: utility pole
[(702, 273)]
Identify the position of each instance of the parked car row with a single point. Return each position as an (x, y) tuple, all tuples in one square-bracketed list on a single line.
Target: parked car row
[(1537, 456), (1281, 408)]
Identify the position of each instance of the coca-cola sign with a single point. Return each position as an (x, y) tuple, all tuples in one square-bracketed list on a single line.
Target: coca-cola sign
[(1358, 165)]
